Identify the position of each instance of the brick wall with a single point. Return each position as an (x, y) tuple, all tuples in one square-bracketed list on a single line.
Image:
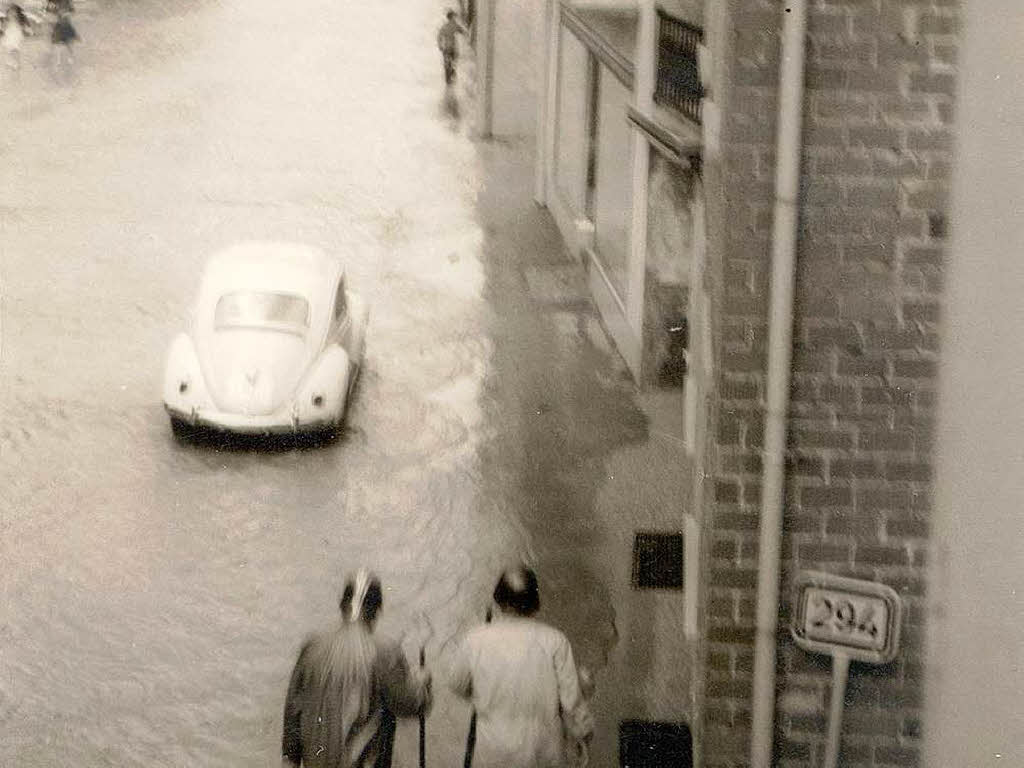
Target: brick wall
[(875, 173)]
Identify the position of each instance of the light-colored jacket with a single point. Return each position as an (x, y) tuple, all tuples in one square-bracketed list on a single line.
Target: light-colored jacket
[(521, 678)]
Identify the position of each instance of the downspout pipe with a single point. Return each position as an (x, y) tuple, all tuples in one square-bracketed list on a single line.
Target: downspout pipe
[(780, 348)]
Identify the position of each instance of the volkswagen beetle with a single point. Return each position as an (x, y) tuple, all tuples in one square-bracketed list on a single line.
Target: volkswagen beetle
[(275, 345)]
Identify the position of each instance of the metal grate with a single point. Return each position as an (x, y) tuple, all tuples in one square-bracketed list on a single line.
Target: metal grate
[(648, 744), (658, 561), (678, 84)]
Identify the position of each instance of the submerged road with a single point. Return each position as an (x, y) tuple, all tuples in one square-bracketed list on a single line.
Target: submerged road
[(153, 594)]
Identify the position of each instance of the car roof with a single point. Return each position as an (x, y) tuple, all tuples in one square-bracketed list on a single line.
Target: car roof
[(268, 265)]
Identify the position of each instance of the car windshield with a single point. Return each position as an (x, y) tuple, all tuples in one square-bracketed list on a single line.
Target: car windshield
[(280, 311)]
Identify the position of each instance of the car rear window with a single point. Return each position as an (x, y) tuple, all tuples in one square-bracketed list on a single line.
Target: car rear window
[(259, 309)]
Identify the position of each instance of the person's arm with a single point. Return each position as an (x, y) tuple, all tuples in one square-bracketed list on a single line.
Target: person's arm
[(406, 692), (291, 736), (460, 672), (575, 712)]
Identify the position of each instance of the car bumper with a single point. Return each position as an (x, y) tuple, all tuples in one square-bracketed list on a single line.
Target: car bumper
[(274, 424)]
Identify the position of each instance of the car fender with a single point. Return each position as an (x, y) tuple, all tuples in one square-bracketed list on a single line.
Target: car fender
[(184, 386), (360, 319), (322, 394)]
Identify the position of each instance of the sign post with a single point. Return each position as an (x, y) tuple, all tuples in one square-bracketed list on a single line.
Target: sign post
[(850, 620)]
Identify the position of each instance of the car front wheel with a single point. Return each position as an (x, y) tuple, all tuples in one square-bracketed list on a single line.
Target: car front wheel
[(181, 429)]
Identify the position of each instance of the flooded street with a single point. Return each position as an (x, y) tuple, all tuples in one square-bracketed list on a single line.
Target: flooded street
[(153, 594)]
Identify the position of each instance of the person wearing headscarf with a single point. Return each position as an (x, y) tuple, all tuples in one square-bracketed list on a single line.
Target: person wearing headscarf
[(348, 687), (520, 676)]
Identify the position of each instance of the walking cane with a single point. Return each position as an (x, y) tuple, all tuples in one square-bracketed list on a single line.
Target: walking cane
[(423, 718), (471, 736), (470, 742)]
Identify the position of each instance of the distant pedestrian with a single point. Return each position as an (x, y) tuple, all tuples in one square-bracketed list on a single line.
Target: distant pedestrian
[(520, 676), (348, 688), (63, 35), (15, 27), (447, 43)]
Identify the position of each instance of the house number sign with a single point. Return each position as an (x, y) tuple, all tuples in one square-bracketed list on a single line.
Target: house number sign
[(850, 620), (836, 614)]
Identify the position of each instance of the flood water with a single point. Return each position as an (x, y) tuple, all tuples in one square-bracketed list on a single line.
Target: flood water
[(153, 594)]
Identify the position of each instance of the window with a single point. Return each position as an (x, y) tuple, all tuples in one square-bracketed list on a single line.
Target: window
[(613, 186), (572, 147), (280, 311)]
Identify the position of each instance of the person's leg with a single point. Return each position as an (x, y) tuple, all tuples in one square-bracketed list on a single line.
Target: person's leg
[(449, 67), (386, 734), (60, 53)]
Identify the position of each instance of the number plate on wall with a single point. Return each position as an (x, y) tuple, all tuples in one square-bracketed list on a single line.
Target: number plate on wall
[(835, 614)]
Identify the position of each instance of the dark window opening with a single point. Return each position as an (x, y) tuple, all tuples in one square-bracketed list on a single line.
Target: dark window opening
[(678, 85), (658, 561), (648, 744)]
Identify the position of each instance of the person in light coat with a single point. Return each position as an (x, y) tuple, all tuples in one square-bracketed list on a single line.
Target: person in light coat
[(15, 27), (521, 678)]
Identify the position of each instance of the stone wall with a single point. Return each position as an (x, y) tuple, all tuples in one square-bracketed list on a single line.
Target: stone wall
[(878, 113)]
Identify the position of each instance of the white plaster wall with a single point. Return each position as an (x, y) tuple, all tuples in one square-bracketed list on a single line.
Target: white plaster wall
[(517, 43), (571, 129), (975, 684)]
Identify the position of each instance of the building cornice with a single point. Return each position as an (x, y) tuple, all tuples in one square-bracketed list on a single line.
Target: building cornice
[(619, 65)]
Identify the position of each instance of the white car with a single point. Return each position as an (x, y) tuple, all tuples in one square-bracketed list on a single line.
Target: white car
[(275, 345)]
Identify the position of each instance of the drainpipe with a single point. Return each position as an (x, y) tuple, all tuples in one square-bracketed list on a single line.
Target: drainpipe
[(780, 347)]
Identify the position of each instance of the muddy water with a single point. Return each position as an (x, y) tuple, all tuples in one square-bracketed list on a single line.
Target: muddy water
[(152, 594)]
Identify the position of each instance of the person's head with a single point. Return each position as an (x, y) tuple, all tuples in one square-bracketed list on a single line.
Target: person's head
[(517, 591), (361, 597), (449, 14)]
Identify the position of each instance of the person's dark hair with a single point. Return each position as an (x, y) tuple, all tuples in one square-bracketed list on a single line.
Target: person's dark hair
[(450, 14), (372, 600), (517, 591)]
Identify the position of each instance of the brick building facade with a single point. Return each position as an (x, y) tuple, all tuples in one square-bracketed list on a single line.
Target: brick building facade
[(875, 171), (875, 167)]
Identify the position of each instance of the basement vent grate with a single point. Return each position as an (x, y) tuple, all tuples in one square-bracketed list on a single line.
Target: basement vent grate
[(658, 561), (647, 744)]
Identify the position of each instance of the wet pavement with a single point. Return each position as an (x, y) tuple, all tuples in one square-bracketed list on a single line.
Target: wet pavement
[(154, 593)]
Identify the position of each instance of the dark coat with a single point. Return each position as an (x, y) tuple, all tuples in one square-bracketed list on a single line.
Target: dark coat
[(326, 726)]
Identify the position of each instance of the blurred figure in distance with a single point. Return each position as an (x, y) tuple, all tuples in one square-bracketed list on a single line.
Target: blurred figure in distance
[(447, 43)]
